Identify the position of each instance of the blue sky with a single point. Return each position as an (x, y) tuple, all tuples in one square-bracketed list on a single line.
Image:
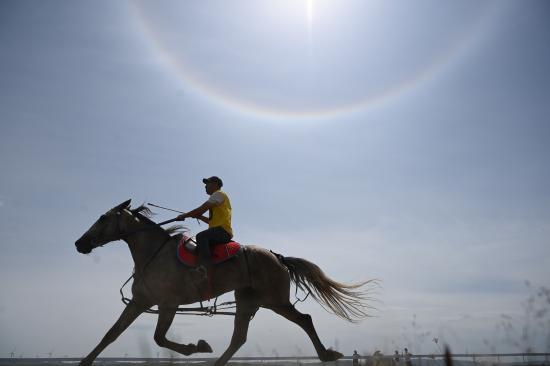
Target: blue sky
[(405, 142)]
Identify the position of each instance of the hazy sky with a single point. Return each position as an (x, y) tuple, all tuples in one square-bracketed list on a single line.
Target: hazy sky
[(402, 141)]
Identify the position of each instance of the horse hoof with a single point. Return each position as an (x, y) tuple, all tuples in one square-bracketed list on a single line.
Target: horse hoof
[(203, 346), (331, 355)]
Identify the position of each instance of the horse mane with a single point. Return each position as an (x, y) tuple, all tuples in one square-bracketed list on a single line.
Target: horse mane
[(144, 213)]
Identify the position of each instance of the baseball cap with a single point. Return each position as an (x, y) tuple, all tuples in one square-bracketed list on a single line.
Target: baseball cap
[(213, 179)]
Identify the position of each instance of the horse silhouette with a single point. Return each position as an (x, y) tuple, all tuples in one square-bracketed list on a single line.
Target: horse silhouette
[(259, 278)]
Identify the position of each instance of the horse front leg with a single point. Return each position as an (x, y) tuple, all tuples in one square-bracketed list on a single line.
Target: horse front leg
[(166, 316), (130, 313)]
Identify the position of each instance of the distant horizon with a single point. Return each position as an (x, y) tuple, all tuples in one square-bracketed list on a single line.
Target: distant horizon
[(282, 358), (290, 357)]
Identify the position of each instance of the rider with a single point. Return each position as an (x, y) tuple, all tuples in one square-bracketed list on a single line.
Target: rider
[(219, 220)]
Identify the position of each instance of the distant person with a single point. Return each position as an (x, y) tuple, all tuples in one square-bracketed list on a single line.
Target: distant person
[(408, 355), (355, 358), (396, 358), (219, 220)]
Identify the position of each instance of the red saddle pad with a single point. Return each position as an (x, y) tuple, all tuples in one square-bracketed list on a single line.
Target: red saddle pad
[(219, 253)]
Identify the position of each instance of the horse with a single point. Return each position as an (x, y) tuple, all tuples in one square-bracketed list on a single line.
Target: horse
[(259, 278)]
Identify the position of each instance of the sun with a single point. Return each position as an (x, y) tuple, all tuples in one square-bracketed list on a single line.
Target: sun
[(309, 17)]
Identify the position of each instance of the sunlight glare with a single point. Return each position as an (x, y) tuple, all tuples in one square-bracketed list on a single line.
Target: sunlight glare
[(309, 17)]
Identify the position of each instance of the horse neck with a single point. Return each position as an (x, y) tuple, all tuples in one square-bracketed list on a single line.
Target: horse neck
[(144, 242)]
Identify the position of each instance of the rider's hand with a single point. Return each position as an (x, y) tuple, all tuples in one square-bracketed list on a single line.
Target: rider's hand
[(181, 217)]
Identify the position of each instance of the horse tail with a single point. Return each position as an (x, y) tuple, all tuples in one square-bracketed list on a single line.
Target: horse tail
[(348, 301)]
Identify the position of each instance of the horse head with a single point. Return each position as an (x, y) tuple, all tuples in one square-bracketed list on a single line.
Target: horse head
[(106, 229)]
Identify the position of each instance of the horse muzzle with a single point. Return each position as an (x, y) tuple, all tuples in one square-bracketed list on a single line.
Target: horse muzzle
[(84, 246)]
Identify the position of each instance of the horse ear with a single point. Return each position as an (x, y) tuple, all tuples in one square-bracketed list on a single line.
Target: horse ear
[(123, 205)]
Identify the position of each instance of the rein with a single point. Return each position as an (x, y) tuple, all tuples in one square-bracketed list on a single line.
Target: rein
[(202, 310)]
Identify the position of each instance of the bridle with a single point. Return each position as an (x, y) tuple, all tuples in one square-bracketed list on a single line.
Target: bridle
[(122, 233)]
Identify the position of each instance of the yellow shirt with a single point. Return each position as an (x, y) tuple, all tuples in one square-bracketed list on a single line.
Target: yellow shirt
[(220, 215)]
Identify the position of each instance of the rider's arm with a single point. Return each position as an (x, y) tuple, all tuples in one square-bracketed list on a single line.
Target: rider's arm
[(197, 212), (215, 199), (204, 219)]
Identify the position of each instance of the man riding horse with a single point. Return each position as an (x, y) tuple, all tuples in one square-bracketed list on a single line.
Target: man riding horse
[(259, 278), (219, 220)]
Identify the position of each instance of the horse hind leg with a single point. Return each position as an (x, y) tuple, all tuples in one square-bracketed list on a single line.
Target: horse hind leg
[(305, 322), (246, 308), (166, 316)]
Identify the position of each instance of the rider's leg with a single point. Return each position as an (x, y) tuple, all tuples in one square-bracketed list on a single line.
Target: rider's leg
[(206, 238), (203, 247)]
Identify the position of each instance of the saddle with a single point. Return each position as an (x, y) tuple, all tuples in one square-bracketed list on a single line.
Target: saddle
[(188, 254)]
